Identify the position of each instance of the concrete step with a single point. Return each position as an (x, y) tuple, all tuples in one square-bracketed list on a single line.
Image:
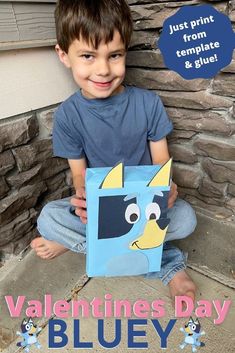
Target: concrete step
[(217, 338), (211, 249), (65, 276), (33, 277)]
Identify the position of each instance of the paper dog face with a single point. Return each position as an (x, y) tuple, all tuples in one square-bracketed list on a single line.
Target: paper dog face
[(118, 214), (127, 218)]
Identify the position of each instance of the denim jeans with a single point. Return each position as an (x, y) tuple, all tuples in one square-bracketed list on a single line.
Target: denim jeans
[(59, 223)]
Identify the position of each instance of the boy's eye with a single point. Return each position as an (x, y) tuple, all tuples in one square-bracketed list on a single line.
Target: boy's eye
[(87, 56), (116, 56)]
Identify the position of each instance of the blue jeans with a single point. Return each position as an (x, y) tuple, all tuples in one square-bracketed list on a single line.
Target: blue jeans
[(58, 222)]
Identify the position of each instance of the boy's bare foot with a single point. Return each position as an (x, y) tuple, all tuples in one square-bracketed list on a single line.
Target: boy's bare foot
[(47, 249), (182, 284)]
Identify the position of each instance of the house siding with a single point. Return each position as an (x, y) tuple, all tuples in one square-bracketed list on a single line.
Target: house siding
[(25, 24)]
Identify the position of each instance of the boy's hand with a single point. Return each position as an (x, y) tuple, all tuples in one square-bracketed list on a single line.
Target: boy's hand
[(79, 201), (172, 195)]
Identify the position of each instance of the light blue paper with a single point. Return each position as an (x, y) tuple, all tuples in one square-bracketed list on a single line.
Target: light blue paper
[(112, 256)]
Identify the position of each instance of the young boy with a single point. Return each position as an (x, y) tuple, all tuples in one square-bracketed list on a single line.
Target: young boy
[(103, 123)]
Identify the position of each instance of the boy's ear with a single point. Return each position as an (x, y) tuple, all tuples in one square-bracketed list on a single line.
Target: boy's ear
[(62, 56)]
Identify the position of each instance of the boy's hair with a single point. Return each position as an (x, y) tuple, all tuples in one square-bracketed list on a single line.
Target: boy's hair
[(93, 21)]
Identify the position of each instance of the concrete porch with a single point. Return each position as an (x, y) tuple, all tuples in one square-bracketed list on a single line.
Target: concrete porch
[(64, 277)]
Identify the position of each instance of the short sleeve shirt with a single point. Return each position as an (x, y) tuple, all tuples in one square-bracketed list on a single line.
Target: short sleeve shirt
[(106, 131)]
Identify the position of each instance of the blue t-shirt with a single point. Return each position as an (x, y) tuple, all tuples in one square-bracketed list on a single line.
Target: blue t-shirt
[(106, 131)]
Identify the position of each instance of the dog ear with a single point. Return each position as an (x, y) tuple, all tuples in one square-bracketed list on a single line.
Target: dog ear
[(24, 321), (162, 177), (190, 319), (115, 178), (197, 321), (30, 320)]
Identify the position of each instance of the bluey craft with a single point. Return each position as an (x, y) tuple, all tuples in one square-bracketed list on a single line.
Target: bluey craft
[(127, 219)]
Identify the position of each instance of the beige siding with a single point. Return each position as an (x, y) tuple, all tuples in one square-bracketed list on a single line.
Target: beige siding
[(8, 25), (22, 22), (33, 79), (38, 1)]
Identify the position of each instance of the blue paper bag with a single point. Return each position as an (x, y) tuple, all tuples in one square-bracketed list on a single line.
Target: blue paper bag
[(127, 219)]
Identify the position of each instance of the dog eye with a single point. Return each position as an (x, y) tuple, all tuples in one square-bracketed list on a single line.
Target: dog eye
[(132, 213), (193, 327), (28, 327), (153, 211)]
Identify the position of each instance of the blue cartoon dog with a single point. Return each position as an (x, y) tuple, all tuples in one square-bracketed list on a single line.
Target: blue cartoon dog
[(192, 334), (127, 211), (29, 334)]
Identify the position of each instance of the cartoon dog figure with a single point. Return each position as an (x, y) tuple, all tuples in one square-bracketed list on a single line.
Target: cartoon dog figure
[(29, 334), (192, 334), (127, 211)]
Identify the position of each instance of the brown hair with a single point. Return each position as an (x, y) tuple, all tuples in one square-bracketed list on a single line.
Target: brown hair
[(93, 20)]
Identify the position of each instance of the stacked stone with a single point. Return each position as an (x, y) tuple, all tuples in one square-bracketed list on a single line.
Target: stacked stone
[(29, 177), (202, 111)]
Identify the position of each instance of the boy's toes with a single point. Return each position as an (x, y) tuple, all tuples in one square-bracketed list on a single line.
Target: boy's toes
[(43, 254), (45, 257), (47, 249)]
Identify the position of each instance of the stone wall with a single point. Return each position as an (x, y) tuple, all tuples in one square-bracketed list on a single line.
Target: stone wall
[(202, 144), (202, 111), (29, 177)]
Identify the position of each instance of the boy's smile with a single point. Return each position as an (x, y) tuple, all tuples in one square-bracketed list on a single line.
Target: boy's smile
[(98, 72)]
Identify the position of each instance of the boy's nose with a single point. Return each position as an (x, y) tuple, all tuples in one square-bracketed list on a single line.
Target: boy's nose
[(102, 68)]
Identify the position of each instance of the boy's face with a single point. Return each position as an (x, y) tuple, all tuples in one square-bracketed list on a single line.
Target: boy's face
[(98, 72)]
